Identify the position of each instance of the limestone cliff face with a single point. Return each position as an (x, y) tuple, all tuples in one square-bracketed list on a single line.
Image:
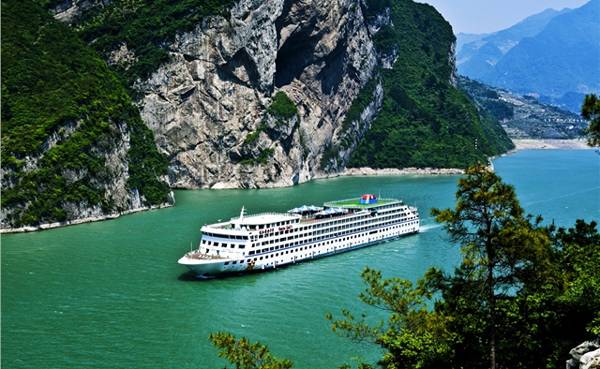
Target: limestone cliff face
[(208, 105)]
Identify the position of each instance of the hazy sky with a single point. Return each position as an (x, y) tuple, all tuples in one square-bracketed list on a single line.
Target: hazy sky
[(482, 16)]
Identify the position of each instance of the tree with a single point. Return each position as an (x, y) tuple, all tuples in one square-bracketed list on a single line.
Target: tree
[(453, 320), (590, 110), (496, 239), (246, 355), (412, 336)]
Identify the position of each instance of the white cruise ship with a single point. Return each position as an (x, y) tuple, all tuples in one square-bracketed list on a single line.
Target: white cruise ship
[(269, 240)]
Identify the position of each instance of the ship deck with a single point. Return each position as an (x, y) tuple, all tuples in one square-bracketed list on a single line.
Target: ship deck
[(355, 203)]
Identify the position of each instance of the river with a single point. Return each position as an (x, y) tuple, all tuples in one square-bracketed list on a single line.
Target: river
[(111, 295)]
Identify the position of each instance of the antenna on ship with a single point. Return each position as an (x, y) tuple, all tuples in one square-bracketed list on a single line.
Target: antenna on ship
[(242, 213)]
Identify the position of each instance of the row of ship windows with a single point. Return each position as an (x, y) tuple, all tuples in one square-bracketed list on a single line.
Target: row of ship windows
[(242, 246), (329, 236), (347, 229), (316, 226), (253, 227), (299, 249), (347, 225)]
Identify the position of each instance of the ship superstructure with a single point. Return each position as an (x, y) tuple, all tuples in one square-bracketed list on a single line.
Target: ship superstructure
[(269, 240)]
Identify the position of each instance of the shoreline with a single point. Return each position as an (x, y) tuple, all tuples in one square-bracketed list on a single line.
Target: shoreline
[(367, 171), (520, 144), (45, 226), (550, 144)]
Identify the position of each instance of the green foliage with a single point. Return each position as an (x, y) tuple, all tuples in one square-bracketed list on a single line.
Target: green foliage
[(262, 158), (246, 355), (412, 335), (331, 152), (252, 137), (146, 27), (540, 299), (282, 106), (590, 110), (488, 98), (360, 103), (424, 120), (55, 88), (498, 243), (146, 164)]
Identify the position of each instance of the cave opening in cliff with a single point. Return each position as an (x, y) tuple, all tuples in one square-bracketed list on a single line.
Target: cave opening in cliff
[(296, 53)]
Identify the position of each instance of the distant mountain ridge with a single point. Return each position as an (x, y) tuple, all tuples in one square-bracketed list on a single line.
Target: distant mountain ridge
[(477, 55), (524, 116), (553, 55)]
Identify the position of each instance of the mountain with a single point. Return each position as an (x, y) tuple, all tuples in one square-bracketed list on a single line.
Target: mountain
[(560, 63), (463, 39), (424, 120), (476, 55), (221, 94), (73, 144), (524, 116)]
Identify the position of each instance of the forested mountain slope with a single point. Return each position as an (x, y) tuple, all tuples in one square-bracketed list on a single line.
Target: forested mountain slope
[(73, 144), (241, 93)]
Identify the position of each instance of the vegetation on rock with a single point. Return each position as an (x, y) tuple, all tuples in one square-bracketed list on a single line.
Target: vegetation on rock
[(424, 121), (62, 112), (282, 106), (145, 28)]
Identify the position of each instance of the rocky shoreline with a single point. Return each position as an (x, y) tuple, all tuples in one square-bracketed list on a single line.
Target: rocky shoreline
[(45, 226), (366, 171), (351, 172), (551, 144)]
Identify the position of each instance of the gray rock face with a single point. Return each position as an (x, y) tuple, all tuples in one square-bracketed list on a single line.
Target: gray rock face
[(213, 93), (112, 182), (69, 10), (585, 356)]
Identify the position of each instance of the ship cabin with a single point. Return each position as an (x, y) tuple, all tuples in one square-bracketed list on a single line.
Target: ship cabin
[(248, 236)]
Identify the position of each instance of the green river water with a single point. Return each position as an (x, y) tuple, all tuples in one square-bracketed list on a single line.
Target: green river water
[(110, 294)]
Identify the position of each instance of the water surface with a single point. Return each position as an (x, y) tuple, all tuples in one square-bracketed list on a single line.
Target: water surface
[(110, 294)]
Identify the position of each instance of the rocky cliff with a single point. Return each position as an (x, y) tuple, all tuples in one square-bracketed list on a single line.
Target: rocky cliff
[(244, 94), (216, 89), (585, 356)]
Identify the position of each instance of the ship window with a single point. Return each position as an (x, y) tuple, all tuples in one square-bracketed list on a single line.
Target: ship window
[(261, 258), (242, 246), (235, 262), (251, 253), (242, 261), (226, 263)]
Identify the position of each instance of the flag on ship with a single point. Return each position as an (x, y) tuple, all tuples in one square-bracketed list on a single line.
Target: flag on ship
[(368, 199)]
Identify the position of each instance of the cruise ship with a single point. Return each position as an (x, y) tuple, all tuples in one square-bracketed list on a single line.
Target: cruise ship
[(270, 240)]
